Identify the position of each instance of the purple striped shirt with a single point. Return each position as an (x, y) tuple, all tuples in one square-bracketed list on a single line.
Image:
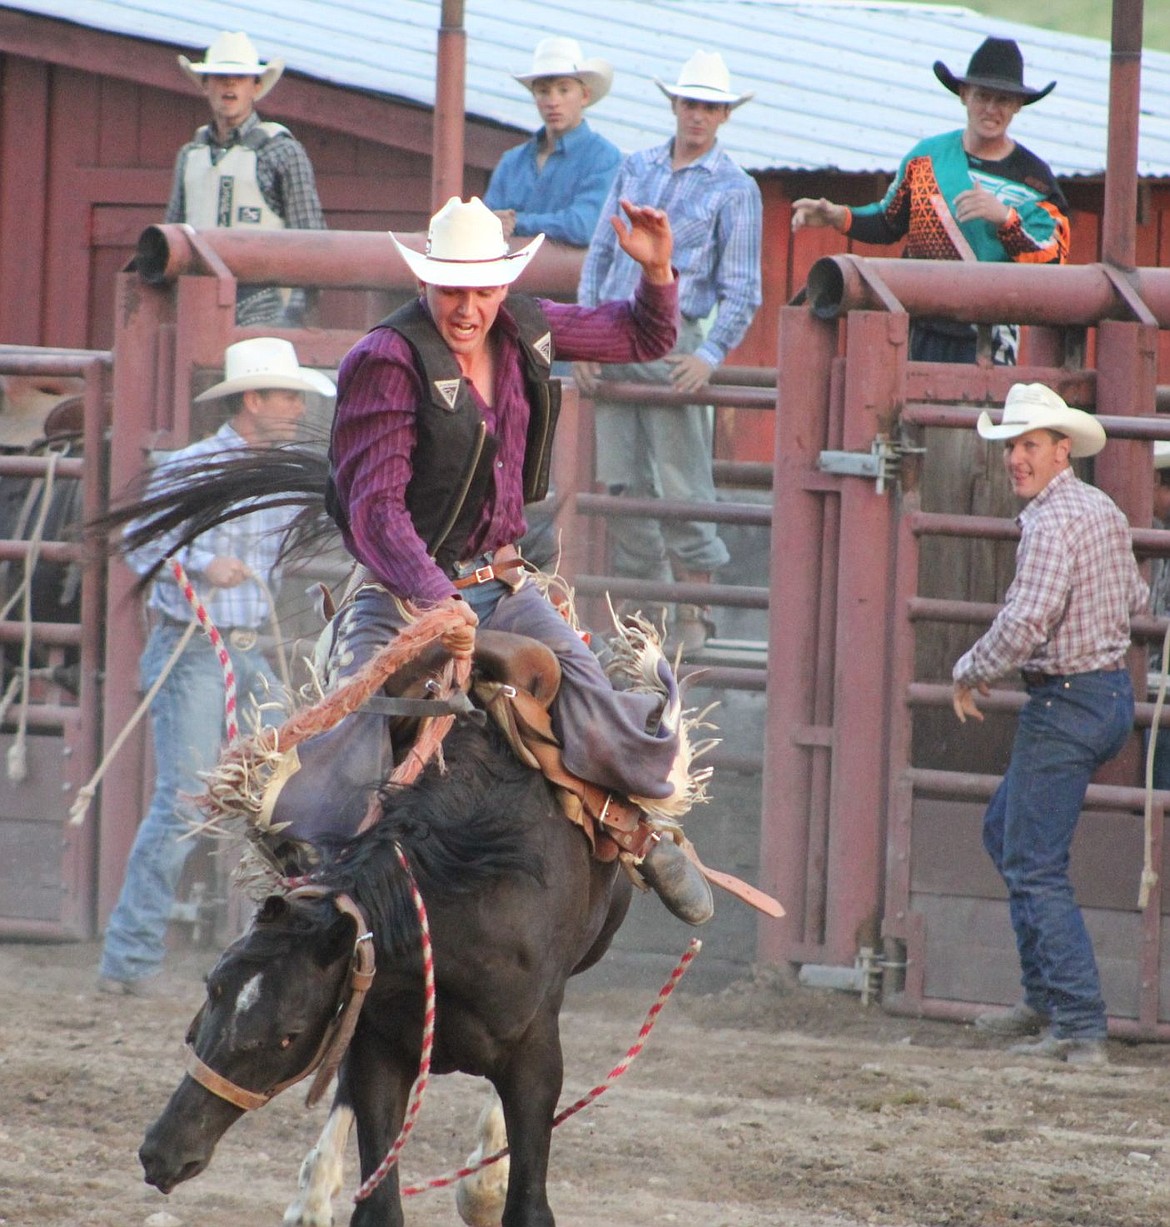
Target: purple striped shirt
[(1076, 585), (378, 393)]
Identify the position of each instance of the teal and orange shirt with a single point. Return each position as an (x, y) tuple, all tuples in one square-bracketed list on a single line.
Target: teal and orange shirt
[(1037, 229)]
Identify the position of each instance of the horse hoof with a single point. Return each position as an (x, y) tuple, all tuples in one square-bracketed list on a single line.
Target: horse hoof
[(480, 1197), (678, 883)]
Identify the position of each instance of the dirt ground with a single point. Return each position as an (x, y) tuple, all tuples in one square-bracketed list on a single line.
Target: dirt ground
[(761, 1104)]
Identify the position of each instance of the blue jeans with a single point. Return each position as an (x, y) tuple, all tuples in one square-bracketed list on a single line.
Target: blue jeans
[(187, 723), (1067, 729)]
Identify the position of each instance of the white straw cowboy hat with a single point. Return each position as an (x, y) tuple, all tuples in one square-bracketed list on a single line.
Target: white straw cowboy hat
[(704, 78), (466, 247), (232, 55), (561, 57), (1032, 406), (266, 364)]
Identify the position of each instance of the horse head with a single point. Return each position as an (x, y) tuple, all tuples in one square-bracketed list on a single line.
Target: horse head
[(269, 1019)]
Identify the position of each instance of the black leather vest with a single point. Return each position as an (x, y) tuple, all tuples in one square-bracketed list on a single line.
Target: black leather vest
[(453, 456)]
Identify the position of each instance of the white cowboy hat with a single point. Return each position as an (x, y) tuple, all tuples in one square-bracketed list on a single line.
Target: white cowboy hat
[(1162, 454), (232, 55), (704, 78), (561, 57), (1032, 406), (466, 247), (265, 364)]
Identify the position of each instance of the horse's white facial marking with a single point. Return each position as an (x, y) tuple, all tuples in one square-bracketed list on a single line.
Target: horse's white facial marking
[(249, 994)]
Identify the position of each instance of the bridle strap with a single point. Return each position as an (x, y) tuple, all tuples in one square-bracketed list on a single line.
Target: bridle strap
[(361, 976), (242, 1098), (338, 1032)]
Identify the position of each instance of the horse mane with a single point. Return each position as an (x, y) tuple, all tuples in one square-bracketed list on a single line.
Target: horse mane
[(200, 494), (465, 822)]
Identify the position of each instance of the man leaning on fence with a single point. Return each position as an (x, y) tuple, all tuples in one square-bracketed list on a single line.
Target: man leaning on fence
[(648, 451)]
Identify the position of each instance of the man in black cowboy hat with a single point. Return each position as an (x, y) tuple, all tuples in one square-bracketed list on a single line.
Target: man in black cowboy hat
[(972, 194)]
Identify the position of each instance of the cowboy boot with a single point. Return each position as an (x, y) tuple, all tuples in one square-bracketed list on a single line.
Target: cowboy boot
[(676, 880), (693, 624)]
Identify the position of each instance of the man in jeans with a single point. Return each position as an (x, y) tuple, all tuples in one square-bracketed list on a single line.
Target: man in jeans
[(654, 451), (1065, 626), (264, 389)]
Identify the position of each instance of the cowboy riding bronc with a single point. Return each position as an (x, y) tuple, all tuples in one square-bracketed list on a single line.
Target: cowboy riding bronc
[(443, 431)]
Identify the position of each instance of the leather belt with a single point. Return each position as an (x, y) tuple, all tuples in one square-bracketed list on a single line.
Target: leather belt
[(1034, 677), (503, 561), (242, 638)]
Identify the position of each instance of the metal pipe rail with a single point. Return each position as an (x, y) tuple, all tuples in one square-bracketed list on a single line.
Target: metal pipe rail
[(22, 360), (47, 634), (333, 259), (731, 596), (38, 466), (982, 613), (974, 787), (723, 395), (758, 515), (1058, 295), (1149, 428), (940, 694)]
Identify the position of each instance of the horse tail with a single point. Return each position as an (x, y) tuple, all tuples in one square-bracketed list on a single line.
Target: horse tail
[(181, 500)]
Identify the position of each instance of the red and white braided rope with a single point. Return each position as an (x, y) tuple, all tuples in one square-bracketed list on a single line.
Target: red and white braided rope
[(614, 1074), (225, 661), (428, 1038)]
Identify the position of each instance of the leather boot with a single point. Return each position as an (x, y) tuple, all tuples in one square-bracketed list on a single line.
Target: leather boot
[(693, 624), (668, 870)]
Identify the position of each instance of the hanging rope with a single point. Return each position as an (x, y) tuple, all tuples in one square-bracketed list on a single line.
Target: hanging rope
[(1149, 878), (428, 1037), (225, 661), (85, 794), (17, 762), (632, 1053), (274, 628)]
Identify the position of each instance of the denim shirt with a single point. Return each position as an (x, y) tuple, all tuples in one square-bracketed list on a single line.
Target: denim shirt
[(562, 199)]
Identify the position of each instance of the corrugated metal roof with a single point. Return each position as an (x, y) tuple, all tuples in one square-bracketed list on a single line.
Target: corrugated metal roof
[(842, 83)]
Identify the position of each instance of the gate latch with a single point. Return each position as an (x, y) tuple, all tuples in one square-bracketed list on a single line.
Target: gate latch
[(881, 463)]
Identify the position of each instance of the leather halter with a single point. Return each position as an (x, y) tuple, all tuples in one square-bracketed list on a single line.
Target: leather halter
[(337, 1035)]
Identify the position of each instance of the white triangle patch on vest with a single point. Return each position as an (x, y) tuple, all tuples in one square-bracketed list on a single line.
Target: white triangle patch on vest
[(543, 346), (448, 389)]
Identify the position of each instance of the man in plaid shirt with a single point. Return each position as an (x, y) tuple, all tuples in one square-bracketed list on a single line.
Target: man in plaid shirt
[(1065, 627)]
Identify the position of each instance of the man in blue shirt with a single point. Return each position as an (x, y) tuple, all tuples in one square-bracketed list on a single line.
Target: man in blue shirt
[(556, 181), (233, 567), (647, 451)]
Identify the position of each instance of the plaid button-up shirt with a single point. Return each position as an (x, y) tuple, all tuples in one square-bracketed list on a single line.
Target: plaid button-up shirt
[(254, 538), (1076, 585), (716, 218)]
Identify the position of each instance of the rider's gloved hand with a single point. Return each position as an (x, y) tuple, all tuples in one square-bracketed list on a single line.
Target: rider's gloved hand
[(460, 640)]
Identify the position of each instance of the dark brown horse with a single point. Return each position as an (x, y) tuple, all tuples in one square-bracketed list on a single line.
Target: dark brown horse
[(516, 904)]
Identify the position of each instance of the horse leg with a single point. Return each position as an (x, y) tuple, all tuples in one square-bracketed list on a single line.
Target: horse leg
[(323, 1170), (529, 1089), (479, 1198), (378, 1087)]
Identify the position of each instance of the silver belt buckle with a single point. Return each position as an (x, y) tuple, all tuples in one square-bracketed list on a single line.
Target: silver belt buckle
[(244, 640)]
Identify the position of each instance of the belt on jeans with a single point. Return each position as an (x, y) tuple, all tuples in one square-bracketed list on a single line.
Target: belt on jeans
[(1034, 677), (242, 638), (500, 563)]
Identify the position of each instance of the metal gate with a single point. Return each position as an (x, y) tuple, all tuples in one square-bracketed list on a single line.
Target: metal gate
[(51, 725), (872, 806)]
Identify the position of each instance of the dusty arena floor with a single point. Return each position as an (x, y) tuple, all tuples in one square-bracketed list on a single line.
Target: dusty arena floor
[(762, 1105)]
